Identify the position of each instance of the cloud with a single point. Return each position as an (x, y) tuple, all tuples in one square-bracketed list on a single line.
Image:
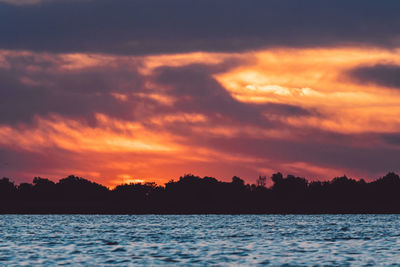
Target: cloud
[(197, 91), (18, 164), (387, 75), (81, 86), (21, 2), (339, 155), (157, 117), (35, 85), (391, 139), (157, 26)]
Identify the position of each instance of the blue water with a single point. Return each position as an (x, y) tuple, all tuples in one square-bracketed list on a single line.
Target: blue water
[(81, 240)]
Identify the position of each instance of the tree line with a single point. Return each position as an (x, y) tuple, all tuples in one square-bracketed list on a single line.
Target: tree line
[(193, 194)]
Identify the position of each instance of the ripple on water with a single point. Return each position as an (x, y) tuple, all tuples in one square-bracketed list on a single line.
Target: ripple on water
[(199, 240)]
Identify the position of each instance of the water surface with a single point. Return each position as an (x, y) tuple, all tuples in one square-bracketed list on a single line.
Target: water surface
[(199, 239)]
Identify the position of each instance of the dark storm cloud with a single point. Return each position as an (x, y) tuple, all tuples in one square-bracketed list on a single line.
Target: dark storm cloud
[(382, 74), (80, 93), (158, 26)]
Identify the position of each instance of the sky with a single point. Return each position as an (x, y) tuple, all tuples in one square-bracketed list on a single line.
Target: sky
[(121, 91)]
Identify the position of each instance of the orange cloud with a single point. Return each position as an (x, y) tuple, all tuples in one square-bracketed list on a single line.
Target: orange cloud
[(169, 141), (315, 78), (109, 135)]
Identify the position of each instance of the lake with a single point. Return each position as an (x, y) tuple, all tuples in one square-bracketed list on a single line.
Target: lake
[(199, 239)]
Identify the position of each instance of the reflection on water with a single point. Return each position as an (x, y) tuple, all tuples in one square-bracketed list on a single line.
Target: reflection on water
[(199, 239)]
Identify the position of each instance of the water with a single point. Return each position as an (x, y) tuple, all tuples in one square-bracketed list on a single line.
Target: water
[(199, 240)]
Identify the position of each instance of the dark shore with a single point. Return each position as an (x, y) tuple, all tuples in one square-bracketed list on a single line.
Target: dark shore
[(195, 195)]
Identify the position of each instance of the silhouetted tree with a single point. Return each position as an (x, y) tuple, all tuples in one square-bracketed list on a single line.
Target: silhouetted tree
[(43, 189), (193, 194), (262, 181), (7, 188), (77, 188)]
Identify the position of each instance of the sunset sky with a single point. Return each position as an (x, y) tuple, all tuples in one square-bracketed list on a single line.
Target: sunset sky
[(121, 91)]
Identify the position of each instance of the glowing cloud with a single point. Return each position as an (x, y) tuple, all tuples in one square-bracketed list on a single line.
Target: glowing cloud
[(122, 119)]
